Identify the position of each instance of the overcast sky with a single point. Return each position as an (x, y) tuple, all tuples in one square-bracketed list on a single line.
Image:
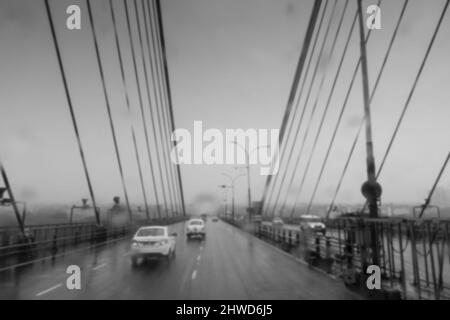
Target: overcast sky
[(231, 65)]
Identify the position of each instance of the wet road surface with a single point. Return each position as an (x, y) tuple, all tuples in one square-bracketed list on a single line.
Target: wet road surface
[(229, 264)]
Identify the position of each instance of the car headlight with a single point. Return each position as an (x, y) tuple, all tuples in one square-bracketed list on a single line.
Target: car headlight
[(136, 244), (163, 242)]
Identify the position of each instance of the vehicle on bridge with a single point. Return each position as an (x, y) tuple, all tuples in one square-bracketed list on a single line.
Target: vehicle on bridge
[(256, 218), (195, 228), (152, 242), (312, 223), (215, 219), (277, 222), (204, 217)]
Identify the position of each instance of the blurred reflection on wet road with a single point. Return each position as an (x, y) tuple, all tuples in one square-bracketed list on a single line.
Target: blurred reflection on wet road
[(229, 264)]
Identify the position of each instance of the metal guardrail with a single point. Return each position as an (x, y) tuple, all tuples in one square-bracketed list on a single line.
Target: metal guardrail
[(414, 254), (46, 241)]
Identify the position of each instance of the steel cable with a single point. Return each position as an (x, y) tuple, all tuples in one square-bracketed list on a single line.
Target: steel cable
[(305, 105), (287, 117), (71, 109), (141, 106), (127, 102), (157, 50), (165, 71), (152, 117), (108, 109), (324, 112), (411, 92), (293, 91), (416, 80), (158, 105)]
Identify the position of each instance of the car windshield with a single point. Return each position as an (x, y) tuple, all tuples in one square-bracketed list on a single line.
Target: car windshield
[(196, 222), (151, 232)]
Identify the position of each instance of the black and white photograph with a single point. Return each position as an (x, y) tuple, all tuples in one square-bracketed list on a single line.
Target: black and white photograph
[(225, 155)]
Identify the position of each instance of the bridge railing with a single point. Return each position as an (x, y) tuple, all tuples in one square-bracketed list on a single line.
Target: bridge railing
[(41, 242), (413, 255)]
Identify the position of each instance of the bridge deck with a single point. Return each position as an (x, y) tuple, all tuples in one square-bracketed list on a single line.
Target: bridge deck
[(230, 264)]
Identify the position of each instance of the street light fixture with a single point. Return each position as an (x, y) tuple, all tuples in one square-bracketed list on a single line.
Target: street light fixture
[(6, 202), (84, 206)]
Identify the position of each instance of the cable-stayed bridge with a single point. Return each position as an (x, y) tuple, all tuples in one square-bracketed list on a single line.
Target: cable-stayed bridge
[(279, 249)]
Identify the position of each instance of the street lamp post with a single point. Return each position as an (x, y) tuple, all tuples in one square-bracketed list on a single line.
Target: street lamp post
[(225, 187), (225, 201), (247, 166), (232, 180)]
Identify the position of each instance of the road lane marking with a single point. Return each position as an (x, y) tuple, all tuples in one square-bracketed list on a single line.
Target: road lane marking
[(194, 274), (201, 248), (49, 289), (198, 258), (99, 266)]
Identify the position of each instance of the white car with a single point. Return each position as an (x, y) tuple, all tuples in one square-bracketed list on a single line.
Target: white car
[(312, 223), (277, 222), (152, 242), (195, 228)]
